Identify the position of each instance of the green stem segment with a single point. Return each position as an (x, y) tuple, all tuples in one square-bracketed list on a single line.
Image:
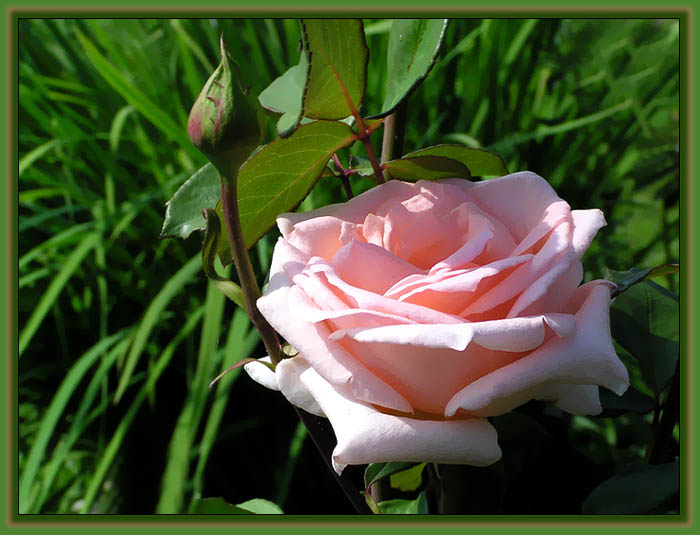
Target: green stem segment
[(246, 275)]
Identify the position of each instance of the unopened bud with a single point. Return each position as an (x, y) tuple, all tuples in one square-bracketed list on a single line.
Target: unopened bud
[(226, 123)]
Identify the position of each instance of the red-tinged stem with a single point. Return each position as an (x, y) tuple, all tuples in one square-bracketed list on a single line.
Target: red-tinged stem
[(344, 174), (246, 275), (364, 133)]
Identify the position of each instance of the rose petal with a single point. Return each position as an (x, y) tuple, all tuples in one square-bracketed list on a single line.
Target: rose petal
[(359, 298), (585, 357), (587, 223), (295, 391), (517, 200), (365, 435), (554, 250), (514, 335), (329, 358), (575, 399), (370, 267), (262, 374)]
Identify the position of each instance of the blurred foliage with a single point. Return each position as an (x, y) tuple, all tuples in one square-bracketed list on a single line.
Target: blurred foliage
[(592, 105)]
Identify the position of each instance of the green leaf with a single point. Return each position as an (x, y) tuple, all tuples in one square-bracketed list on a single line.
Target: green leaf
[(625, 279), (278, 177), (419, 506), (284, 95), (413, 48), (183, 212), (259, 506), (378, 471), (212, 240), (408, 480), (480, 162), (631, 401), (426, 168), (338, 67), (637, 489), (644, 320)]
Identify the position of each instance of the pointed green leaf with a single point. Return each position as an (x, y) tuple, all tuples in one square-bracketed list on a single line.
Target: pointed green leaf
[(625, 279), (259, 506), (419, 506), (212, 241), (413, 48), (644, 320), (338, 67), (278, 177), (378, 471), (637, 489), (183, 212), (426, 168), (408, 480), (284, 95), (219, 506), (480, 162)]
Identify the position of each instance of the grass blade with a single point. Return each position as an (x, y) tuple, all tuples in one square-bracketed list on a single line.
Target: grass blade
[(115, 443), (54, 289), (54, 412), (151, 316)]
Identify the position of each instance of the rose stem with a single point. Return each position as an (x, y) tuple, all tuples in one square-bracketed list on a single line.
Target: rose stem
[(660, 438), (344, 174), (244, 268), (320, 437)]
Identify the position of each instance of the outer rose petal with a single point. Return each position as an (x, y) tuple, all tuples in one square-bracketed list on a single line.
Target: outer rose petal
[(327, 356), (575, 399), (262, 374), (366, 435), (587, 358)]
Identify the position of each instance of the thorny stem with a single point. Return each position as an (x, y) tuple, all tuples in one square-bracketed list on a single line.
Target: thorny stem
[(244, 268)]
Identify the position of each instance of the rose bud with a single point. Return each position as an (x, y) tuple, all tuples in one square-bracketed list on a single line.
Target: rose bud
[(226, 122), (420, 309)]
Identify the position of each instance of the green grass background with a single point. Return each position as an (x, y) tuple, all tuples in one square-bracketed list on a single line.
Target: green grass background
[(591, 105)]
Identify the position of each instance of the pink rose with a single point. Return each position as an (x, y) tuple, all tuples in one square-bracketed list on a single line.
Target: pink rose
[(418, 310)]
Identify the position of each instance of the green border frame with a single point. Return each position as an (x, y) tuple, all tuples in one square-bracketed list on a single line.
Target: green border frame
[(12, 522)]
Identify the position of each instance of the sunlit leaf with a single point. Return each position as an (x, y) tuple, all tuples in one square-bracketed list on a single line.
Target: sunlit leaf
[(338, 70), (408, 480), (378, 471), (278, 177), (426, 168), (413, 48), (419, 506), (480, 162)]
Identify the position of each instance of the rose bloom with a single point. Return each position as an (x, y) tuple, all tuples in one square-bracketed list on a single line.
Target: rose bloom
[(420, 309)]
